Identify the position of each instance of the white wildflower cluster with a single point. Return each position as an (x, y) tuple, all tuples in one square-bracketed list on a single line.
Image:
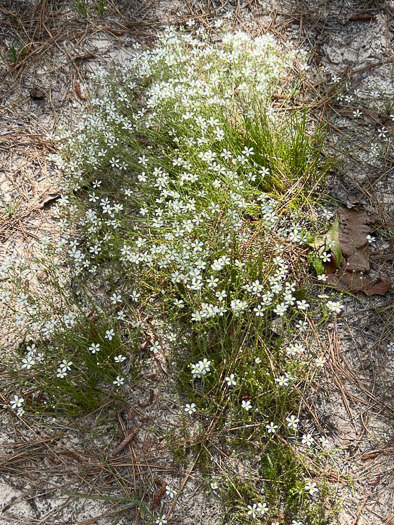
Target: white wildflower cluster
[(17, 405), (257, 509), (33, 356), (334, 306), (201, 368), (191, 214), (63, 369), (210, 185), (195, 207)]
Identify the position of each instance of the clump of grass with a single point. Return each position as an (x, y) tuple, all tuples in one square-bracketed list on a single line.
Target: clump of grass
[(69, 351), (100, 6), (189, 192), (17, 52), (82, 7)]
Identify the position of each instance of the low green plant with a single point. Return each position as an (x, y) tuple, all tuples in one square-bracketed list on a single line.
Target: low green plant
[(10, 209), (100, 6), (16, 53), (82, 7), (189, 194)]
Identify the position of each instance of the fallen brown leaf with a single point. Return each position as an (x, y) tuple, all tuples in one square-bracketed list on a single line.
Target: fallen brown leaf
[(357, 282), (159, 494), (353, 231), (278, 96), (354, 226), (77, 89), (55, 461), (93, 331), (48, 198)]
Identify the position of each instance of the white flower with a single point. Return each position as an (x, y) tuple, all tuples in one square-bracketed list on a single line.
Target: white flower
[(121, 316), (271, 428), (201, 368), (221, 295), (320, 362), (156, 347), (170, 492), (282, 381), (214, 485), (161, 520), (262, 508), (382, 133), (295, 350), (109, 334), (119, 358), (324, 442), (302, 326), (230, 380), (116, 298), (190, 408), (302, 305), (94, 348), (17, 402), (308, 440), (212, 282), (259, 310), (252, 510), (179, 303), (28, 362), (5, 296), (118, 381), (292, 422), (61, 373), (334, 306), (371, 239), (311, 488), (238, 306), (134, 296), (246, 404), (280, 309), (66, 365)]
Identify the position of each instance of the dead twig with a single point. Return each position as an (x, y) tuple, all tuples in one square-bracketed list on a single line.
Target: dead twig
[(360, 509), (125, 442)]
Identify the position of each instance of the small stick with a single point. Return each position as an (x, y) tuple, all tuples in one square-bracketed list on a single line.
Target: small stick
[(361, 18), (125, 442), (360, 509)]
